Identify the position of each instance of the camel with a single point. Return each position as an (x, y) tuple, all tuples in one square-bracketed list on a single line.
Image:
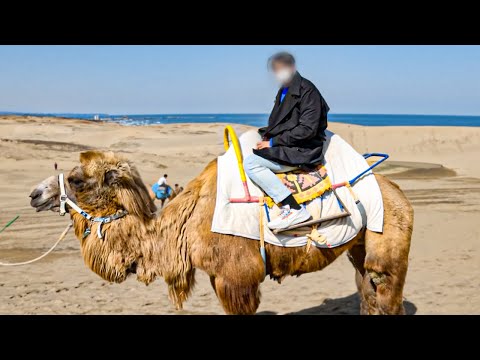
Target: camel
[(162, 201), (178, 241)]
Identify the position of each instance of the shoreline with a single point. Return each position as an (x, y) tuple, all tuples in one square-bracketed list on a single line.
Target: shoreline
[(330, 121)]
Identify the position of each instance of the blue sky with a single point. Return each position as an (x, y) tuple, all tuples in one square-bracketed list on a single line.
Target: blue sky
[(234, 79)]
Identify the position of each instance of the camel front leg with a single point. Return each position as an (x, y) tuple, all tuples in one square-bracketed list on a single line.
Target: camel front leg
[(179, 288)]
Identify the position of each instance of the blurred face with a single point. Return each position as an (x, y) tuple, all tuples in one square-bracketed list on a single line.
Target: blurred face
[(283, 72)]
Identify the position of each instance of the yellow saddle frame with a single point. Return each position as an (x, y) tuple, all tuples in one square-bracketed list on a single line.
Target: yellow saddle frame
[(304, 186)]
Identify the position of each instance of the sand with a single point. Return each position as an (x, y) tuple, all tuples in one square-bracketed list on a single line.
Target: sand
[(438, 168)]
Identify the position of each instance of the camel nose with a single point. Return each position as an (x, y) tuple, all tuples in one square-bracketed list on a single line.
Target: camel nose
[(35, 194)]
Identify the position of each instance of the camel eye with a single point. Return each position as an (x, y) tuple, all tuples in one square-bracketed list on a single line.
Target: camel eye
[(75, 182)]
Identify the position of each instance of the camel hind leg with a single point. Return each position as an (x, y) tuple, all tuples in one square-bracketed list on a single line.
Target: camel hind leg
[(366, 291), (386, 259), (236, 299)]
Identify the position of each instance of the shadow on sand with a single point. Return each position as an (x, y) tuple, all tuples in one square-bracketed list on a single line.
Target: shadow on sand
[(348, 305)]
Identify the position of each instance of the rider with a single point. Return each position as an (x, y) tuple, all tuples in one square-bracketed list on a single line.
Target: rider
[(293, 138), (162, 182)]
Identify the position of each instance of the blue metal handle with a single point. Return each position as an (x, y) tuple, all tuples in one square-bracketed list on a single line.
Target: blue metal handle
[(366, 156), (384, 156), (265, 206)]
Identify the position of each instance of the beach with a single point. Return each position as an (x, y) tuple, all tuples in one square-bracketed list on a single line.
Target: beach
[(437, 167)]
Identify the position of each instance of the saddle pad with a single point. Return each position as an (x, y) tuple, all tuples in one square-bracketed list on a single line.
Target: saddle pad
[(342, 163), (304, 186)]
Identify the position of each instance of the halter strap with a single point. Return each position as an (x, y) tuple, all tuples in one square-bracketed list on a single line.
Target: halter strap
[(106, 219), (63, 195), (64, 200)]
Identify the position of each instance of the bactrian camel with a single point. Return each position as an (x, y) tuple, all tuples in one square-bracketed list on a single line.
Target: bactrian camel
[(179, 241), (172, 196)]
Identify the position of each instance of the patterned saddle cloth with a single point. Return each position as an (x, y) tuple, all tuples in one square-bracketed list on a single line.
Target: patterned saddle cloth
[(305, 186)]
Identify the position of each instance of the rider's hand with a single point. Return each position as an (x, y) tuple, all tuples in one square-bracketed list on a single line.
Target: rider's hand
[(263, 145)]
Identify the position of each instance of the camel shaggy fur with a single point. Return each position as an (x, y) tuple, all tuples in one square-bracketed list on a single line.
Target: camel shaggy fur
[(179, 241)]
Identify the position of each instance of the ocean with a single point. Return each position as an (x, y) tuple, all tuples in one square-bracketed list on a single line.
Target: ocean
[(259, 120)]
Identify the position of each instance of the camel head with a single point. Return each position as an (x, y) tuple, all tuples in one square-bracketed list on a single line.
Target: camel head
[(102, 185)]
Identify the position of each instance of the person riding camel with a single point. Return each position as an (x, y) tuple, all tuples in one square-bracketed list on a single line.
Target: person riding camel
[(292, 140), (162, 182), (177, 189)]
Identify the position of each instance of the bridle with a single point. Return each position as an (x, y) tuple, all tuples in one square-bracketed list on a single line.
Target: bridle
[(64, 200)]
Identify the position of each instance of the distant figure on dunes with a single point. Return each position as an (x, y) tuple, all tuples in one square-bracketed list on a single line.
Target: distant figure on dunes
[(163, 180), (177, 189)]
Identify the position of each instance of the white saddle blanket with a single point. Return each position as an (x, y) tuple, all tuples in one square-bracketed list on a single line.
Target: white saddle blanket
[(342, 163)]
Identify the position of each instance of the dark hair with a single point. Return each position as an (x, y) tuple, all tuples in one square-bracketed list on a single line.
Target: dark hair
[(282, 57), (176, 184), (165, 175)]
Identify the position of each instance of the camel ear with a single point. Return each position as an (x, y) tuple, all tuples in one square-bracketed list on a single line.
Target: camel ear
[(111, 177), (114, 176), (87, 156), (124, 168)]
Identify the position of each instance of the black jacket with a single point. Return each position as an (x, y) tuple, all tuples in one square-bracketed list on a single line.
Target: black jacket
[(297, 126)]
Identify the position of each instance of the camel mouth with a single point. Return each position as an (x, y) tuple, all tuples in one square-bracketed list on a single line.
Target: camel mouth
[(41, 204), (46, 206)]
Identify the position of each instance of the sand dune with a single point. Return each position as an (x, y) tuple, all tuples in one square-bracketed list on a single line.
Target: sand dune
[(437, 168)]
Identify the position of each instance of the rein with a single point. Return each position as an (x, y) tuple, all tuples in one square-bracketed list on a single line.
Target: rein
[(62, 236), (64, 200)]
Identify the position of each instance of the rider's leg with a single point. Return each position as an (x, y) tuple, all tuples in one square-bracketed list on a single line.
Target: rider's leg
[(262, 172)]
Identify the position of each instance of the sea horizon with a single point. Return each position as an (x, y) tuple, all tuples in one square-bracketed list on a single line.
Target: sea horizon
[(261, 119)]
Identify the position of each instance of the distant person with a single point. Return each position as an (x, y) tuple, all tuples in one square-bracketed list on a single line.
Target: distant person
[(293, 138), (163, 181), (55, 166), (181, 188), (177, 189)]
